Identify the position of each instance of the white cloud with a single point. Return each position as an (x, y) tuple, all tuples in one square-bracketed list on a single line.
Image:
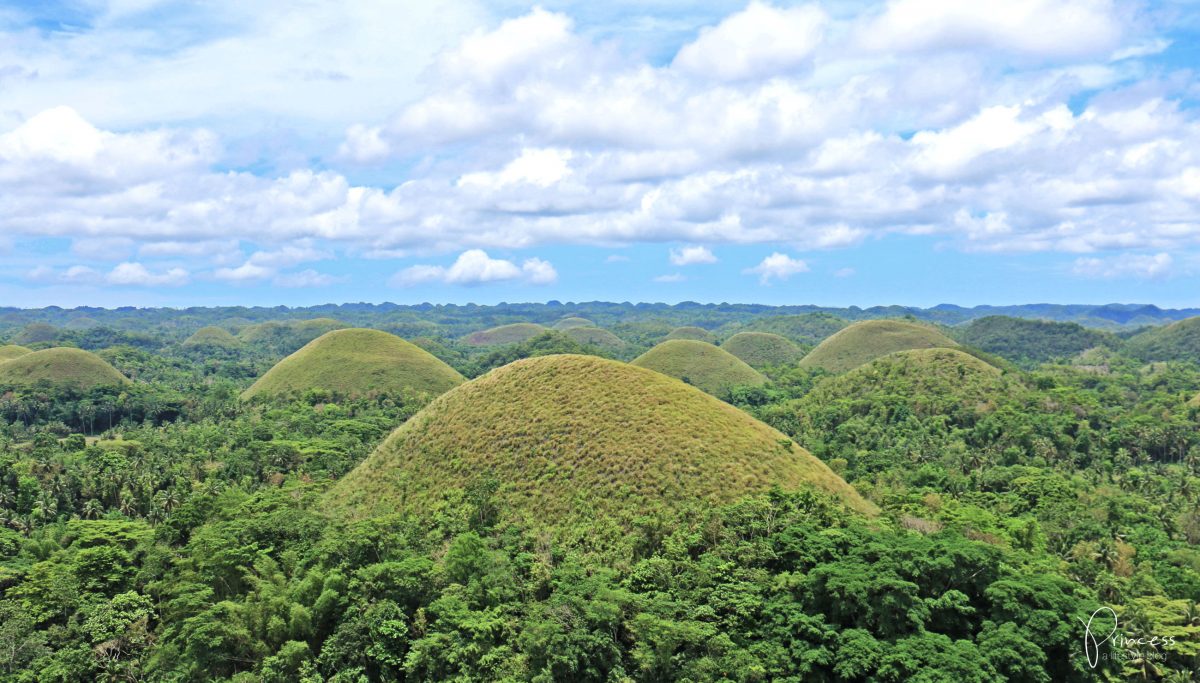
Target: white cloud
[(307, 278), (475, 267), (760, 41), (1141, 266), (537, 167), (672, 277), (137, 275), (777, 266), (616, 258), (687, 256), (264, 264), (364, 144), (844, 272)]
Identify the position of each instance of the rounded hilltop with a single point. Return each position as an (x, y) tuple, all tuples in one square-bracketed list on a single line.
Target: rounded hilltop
[(287, 335), (356, 362), (36, 333), (12, 351), (763, 349), (865, 341), (514, 333), (1177, 341), (61, 367), (573, 438), (926, 381), (212, 337), (707, 367), (691, 333), (595, 336), (572, 323)]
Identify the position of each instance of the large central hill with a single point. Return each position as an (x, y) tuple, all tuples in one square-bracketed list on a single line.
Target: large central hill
[(762, 349), (357, 362), (700, 364), (574, 438), (514, 333), (863, 342), (64, 367)]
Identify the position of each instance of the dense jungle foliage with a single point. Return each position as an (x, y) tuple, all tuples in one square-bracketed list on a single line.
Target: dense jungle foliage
[(166, 530)]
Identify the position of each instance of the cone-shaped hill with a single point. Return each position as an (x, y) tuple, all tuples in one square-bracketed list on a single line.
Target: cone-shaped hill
[(505, 334), (287, 335), (36, 333), (762, 349), (865, 341), (692, 333), (594, 336), (62, 367), (12, 351), (926, 381), (573, 322), (1177, 341), (571, 439), (707, 367), (355, 362), (212, 337)]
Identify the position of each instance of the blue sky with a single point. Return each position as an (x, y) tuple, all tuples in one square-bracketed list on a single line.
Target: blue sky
[(854, 153)]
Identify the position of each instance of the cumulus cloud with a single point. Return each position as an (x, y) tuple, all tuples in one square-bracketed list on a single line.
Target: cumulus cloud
[(777, 266), (475, 267), (1141, 266), (687, 256), (266, 263), (138, 275), (760, 41), (307, 278), (670, 278)]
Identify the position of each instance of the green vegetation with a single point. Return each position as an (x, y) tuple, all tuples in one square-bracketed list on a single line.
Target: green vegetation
[(573, 322), (36, 333), (690, 332), (12, 351), (1031, 341), (212, 337), (60, 367), (568, 439), (707, 367), (1178, 341), (761, 349), (354, 362), (579, 519), (863, 342), (514, 333), (594, 336)]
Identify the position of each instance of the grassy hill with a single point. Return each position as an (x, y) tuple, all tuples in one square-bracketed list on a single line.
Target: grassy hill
[(12, 351), (594, 336), (285, 336), (36, 333), (762, 349), (1177, 341), (572, 439), (692, 333), (700, 364), (927, 381), (212, 337), (61, 367), (1195, 401), (356, 362), (1038, 341), (505, 334), (573, 322), (865, 341)]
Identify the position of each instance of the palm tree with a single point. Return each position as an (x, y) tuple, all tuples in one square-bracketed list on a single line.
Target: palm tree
[(92, 509)]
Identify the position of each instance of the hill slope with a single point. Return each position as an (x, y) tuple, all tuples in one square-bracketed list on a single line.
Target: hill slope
[(692, 333), (356, 362), (700, 364), (1030, 340), (12, 351), (574, 438), (762, 349), (61, 367), (36, 333), (212, 336), (594, 336), (285, 336), (573, 322), (505, 334), (865, 341), (1177, 341)]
